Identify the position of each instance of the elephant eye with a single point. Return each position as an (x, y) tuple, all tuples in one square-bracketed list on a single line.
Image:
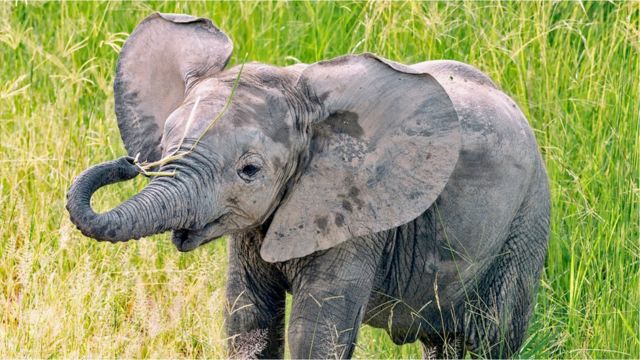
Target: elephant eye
[(248, 172)]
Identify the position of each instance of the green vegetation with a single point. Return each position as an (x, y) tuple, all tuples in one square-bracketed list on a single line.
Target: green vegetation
[(574, 69)]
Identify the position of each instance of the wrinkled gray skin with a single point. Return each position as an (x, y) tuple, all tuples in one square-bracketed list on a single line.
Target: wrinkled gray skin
[(410, 198)]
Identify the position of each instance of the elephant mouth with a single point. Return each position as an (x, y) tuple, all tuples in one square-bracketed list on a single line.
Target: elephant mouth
[(186, 240)]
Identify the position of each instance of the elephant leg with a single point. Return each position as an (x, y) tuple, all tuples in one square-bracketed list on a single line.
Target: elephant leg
[(496, 320), (330, 295), (256, 296), (451, 346)]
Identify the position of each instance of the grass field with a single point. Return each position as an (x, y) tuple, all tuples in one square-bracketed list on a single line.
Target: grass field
[(574, 69)]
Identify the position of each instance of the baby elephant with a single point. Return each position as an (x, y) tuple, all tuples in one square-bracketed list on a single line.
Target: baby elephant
[(411, 198)]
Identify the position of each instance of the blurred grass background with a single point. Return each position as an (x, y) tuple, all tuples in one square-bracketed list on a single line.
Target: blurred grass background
[(573, 67)]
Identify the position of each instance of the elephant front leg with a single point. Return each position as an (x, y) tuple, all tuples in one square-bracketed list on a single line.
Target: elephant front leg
[(254, 317), (255, 328), (324, 326), (449, 346), (330, 296)]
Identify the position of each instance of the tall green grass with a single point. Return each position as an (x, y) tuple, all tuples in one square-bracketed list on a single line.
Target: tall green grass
[(573, 68)]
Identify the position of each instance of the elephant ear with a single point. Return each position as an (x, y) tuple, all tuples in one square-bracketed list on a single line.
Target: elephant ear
[(163, 57), (381, 152)]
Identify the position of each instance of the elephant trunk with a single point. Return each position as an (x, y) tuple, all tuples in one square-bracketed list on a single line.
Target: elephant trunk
[(162, 205)]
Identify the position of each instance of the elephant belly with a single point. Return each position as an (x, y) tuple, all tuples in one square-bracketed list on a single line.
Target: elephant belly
[(420, 284), (423, 305), (432, 264)]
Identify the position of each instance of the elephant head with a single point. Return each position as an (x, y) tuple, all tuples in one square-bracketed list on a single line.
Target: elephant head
[(312, 154)]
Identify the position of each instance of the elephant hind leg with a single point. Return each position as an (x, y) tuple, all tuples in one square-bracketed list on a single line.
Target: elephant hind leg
[(496, 318)]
